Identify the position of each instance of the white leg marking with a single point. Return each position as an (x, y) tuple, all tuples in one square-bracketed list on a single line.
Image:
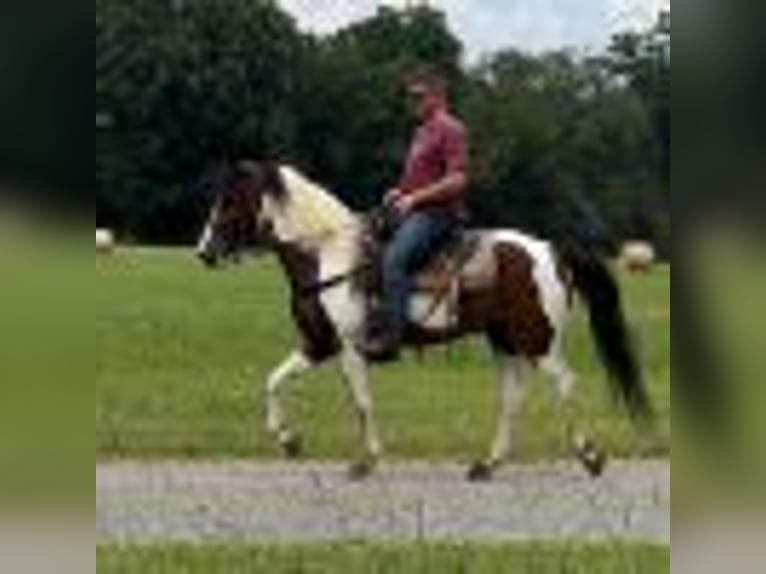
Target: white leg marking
[(295, 364), (204, 239), (207, 233), (556, 366), (511, 393), (355, 372)]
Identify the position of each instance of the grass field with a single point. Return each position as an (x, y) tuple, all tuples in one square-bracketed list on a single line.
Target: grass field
[(369, 559), (181, 355)]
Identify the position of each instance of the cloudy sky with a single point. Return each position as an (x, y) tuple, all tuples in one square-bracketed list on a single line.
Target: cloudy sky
[(485, 25)]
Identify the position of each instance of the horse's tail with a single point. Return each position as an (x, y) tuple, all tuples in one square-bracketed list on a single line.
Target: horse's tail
[(598, 287)]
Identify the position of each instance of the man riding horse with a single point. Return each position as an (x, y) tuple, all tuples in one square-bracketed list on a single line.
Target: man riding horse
[(515, 290), (428, 202)]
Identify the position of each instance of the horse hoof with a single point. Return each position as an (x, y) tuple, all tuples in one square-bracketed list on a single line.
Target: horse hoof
[(292, 446), (480, 471), (361, 470), (594, 460)]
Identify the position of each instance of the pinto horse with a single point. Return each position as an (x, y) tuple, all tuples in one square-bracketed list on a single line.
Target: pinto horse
[(518, 291)]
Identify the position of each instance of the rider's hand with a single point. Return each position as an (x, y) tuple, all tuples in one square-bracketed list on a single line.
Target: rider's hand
[(405, 204), (392, 196)]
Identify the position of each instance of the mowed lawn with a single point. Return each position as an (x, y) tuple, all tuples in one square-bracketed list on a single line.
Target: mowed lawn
[(364, 558), (182, 354)]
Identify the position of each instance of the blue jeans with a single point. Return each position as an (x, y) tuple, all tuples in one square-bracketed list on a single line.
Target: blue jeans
[(419, 236)]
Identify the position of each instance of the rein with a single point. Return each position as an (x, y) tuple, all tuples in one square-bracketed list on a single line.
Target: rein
[(306, 291), (372, 218)]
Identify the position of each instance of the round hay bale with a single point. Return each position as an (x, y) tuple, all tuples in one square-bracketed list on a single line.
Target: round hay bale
[(104, 241), (638, 256)]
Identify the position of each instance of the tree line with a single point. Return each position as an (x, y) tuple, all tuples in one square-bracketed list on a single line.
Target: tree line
[(559, 141)]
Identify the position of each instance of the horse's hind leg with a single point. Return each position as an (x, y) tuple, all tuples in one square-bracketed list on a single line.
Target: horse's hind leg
[(295, 364), (556, 366), (511, 393)]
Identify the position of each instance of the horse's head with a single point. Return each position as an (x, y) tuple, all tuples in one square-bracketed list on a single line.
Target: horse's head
[(261, 204), (236, 220)]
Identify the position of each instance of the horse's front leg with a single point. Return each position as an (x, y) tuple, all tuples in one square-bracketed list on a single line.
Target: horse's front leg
[(295, 364), (357, 377)]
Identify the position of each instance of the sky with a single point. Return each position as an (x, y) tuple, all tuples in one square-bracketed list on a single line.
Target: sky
[(486, 25)]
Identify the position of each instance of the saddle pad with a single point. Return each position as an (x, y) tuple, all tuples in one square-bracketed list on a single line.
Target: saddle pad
[(434, 312), (437, 276), (469, 262), (467, 267)]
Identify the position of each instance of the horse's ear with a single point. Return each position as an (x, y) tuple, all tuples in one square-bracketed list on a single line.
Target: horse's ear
[(246, 168), (266, 177)]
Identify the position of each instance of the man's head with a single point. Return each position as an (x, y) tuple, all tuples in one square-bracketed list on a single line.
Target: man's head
[(428, 92)]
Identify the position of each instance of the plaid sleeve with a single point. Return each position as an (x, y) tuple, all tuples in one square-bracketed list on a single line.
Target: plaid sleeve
[(455, 148)]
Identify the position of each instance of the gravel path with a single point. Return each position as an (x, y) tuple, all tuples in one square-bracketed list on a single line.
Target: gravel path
[(237, 501)]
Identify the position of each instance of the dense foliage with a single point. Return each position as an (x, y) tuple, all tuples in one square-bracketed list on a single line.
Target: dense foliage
[(183, 84)]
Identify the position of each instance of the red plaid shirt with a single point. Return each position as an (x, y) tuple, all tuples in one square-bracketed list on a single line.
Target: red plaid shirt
[(438, 149)]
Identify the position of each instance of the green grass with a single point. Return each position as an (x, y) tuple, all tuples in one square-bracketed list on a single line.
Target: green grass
[(181, 355), (393, 559)]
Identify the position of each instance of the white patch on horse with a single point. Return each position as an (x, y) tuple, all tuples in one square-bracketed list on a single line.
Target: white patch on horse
[(428, 313), (207, 233), (308, 215), (343, 303)]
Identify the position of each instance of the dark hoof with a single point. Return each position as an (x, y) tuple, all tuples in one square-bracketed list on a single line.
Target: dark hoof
[(292, 447), (480, 471), (361, 469), (593, 459)]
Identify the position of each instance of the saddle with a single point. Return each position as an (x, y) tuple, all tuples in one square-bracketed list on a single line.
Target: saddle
[(446, 265), (439, 283)]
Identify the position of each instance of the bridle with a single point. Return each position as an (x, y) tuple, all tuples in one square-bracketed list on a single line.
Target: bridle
[(244, 216)]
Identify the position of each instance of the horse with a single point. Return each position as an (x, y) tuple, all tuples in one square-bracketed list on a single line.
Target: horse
[(517, 291)]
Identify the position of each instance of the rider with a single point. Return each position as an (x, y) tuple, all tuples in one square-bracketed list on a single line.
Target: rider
[(428, 202)]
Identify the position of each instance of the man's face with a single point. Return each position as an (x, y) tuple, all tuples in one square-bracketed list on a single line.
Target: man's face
[(425, 100)]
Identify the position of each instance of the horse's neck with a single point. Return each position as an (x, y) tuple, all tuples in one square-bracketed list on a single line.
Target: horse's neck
[(319, 223), (338, 254), (341, 252), (300, 267)]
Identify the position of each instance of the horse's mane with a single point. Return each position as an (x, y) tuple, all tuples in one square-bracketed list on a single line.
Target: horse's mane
[(309, 212)]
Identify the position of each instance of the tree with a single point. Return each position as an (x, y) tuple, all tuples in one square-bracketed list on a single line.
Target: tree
[(643, 61), (186, 84), (556, 138)]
